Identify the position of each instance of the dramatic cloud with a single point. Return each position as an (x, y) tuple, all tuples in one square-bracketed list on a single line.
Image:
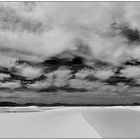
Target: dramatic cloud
[(104, 74), (102, 35), (84, 73), (48, 28), (81, 84), (131, 72), (59, 78), (2, 76), (28, 71), (11, 85)]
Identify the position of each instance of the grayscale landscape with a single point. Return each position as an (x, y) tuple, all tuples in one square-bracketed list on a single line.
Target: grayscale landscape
[(69, 69)]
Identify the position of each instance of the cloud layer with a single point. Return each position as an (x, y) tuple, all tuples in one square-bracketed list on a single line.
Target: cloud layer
[(104, 34)]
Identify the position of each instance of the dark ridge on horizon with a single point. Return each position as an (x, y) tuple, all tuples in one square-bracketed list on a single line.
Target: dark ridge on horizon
[(13, 104)]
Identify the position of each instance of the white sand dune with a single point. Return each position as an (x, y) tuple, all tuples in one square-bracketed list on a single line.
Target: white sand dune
[(121, 122), (57, 123), (71, 122)]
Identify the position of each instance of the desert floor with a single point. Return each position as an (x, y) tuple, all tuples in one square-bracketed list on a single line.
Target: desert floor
[(70, 122)]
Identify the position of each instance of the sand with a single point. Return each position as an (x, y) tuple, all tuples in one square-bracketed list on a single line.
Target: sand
[(114, 122), (71, 122), (55, 123)]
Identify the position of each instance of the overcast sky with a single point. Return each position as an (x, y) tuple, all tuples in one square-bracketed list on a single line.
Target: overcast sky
[(35, 31), (48, 28)]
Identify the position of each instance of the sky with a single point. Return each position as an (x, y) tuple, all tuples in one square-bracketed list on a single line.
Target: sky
[(44, 29), (33, 27), (36, 31)]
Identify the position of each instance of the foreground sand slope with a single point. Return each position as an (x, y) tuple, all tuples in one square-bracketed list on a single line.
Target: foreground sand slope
[(57, 123), (71, 122), (115, 122)]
